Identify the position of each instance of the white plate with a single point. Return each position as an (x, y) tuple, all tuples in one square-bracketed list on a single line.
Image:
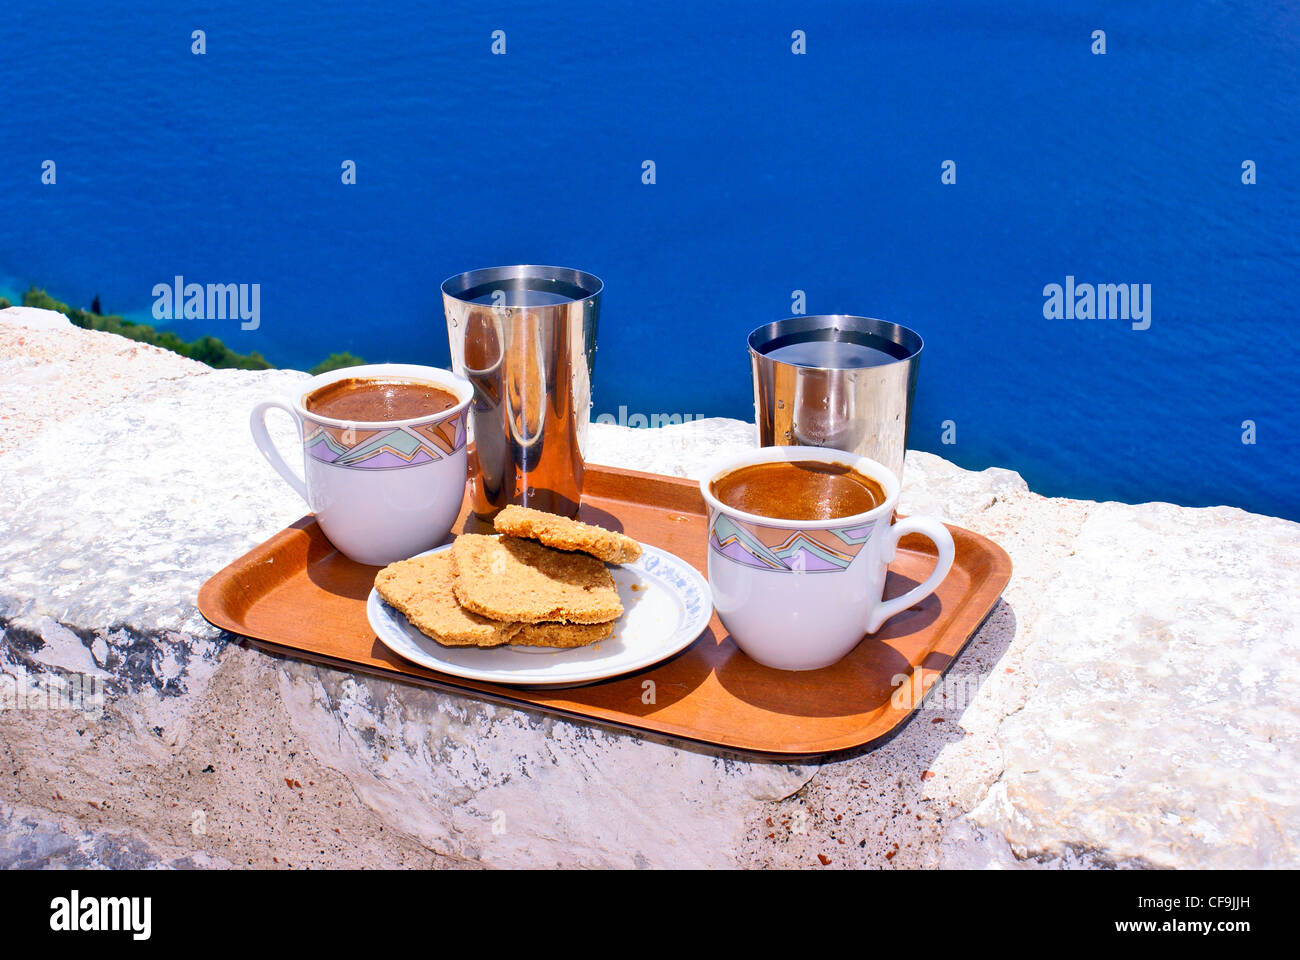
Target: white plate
[(669, 607)]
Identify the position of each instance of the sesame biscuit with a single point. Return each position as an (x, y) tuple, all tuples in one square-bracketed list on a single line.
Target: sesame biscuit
[(421, 589), (561, 634), (519, 580), (565, 534)]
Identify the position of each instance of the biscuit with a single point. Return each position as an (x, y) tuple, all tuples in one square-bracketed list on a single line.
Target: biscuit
[(565, 534), (520, 580), (561, 634), (421, 589)]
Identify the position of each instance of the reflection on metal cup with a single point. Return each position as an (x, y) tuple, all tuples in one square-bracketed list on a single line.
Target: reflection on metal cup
[(835, 381), (525, 337)]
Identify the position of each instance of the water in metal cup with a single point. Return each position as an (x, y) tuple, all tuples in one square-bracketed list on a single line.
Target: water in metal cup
[(836, 381), (525, 337)]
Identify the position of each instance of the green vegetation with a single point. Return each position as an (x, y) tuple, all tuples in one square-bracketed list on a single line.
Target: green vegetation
[(5, 304), (207, 350), (336, 361)]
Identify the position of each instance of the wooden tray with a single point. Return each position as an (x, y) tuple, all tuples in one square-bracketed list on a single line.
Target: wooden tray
[(296, 595)]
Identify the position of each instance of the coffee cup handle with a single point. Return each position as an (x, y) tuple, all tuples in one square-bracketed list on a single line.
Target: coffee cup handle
[(257, 423), (938, 534)]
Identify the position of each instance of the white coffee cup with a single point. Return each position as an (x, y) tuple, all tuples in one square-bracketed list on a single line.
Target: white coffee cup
[(381, 490), (801, 594)]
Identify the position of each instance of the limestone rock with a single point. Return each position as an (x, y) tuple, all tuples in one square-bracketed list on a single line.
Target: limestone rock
[(1131, 701), (51, 370)]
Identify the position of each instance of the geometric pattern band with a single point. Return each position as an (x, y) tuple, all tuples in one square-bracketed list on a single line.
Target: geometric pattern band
[(796, 551), (388, 448)]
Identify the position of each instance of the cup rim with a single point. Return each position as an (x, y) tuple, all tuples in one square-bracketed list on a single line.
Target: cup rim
[(872, 468), (807, 323), (458, 283), (462, 388)]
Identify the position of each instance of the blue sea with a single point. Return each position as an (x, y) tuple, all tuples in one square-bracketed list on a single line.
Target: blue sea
[(774, 172)]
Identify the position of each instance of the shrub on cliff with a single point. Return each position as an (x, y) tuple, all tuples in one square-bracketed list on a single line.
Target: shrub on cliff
[(207, 350), (336, 361)]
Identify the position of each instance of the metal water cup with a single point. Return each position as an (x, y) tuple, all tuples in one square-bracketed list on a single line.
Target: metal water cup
[(862, 409), (525, 337)]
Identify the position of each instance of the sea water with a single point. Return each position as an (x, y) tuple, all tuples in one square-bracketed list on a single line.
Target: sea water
[(937, 173)]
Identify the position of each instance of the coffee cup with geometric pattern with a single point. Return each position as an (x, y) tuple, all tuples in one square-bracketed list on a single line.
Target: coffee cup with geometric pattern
[(383, 490), (801, 594)]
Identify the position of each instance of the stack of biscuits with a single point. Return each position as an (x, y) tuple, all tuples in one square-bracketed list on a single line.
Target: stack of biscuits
[(541, 583)]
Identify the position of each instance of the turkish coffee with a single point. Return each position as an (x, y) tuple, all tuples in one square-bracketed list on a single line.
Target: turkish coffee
[(798, 490), (378, 399)]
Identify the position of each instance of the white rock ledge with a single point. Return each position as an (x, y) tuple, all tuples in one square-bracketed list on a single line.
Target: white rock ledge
[(1132, 701)]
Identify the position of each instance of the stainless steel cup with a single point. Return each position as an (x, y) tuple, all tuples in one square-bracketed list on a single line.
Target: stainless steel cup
[(525, 337), (851, 387)]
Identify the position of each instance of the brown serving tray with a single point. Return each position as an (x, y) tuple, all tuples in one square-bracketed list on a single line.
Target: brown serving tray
[(296, 595)]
